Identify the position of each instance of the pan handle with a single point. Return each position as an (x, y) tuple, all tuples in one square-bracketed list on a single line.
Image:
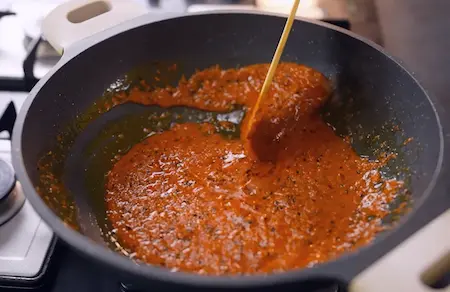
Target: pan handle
[(78, 19), (412, 266)]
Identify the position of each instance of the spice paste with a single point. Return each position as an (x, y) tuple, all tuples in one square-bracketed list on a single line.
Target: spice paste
[(189, 199)]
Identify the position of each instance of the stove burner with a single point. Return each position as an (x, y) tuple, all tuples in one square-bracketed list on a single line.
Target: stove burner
[(11, 200), (7, 179)]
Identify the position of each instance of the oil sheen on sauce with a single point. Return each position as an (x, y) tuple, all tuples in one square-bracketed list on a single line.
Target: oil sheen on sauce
[(189, 199)]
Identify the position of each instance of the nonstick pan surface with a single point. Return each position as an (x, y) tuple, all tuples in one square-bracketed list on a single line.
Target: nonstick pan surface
[(373, 95)]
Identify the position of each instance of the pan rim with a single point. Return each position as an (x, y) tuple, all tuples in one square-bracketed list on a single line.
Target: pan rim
[(123, 264)]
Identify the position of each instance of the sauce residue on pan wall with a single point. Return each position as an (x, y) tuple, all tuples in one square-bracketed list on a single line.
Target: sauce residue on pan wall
[(190, 199), (297, 92)]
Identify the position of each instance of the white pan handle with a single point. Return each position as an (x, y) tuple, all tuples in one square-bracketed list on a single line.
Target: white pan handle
[(422, 258), (78, 19)]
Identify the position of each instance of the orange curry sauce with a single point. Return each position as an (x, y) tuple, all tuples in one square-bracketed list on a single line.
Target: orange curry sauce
[(189, 199)]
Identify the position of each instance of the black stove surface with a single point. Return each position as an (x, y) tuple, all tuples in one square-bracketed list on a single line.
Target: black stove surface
[(68, 271), (72, 272)]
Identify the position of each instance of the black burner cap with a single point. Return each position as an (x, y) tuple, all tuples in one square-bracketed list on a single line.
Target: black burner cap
[(7, 179)]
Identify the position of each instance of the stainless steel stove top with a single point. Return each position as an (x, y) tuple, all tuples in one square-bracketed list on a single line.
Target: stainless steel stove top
[(24, 242), (24, 238)]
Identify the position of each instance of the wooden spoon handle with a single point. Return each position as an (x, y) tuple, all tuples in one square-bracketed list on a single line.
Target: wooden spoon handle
[(275, 61)]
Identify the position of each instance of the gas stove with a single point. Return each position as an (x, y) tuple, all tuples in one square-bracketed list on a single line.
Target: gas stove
[(26, 242), (31, 256)]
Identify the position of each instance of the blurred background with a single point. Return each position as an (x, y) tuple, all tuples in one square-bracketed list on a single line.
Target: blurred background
[(393, 24), (407, 28)]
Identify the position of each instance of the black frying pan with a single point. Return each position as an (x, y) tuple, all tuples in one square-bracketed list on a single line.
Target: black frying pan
[(373, 94)]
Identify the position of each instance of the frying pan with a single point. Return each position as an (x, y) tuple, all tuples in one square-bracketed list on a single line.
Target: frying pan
[(372, 94)]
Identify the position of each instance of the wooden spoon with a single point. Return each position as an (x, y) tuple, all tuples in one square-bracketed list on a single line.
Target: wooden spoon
[(272, 68), (275, 61)]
